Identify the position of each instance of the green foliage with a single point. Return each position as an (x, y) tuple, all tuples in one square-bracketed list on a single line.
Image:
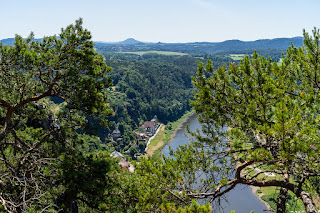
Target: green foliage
[(133, 150), (152, 184), (159, 87), (86, 178), (151, 54), (145, 86), (142, 146), (40, 141), (148, 87), (257, 114), (169, 126), (193, 208), (91, 143), (293, 204)]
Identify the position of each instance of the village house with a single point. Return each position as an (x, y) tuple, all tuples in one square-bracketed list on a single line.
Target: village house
[(122, 161), (127, 165), (118, 155), (141, 137), (116, 134), (150, 127)]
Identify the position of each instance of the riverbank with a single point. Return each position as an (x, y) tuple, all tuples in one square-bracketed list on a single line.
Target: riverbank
[(160, 128), (269, 195), (257, 191), (240, 198), (165, 135), (152, 146)]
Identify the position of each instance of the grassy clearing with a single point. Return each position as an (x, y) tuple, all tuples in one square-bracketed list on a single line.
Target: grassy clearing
[(270, 194), (154, 52), (165, 136), (237, 57), (293, 204), (159, 137)]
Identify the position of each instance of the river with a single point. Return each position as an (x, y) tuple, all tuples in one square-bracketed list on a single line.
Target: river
[(241, 198)]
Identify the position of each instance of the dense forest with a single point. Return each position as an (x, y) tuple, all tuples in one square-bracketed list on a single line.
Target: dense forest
[(148, 85)]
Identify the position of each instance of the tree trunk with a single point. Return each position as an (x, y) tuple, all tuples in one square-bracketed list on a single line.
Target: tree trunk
[(281, 200), (73, 206), (306, 198), (308, 202)]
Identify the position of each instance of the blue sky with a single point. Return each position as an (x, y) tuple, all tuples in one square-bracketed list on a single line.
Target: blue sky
[(162, 20)]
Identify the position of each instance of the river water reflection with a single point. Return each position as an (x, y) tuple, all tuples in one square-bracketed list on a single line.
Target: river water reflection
[(241, 199)]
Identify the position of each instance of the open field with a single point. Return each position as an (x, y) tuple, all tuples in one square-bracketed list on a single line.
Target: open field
[(237, 57), (154, 52)]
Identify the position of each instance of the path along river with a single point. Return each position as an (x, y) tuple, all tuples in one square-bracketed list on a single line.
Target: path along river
[(241, 199)]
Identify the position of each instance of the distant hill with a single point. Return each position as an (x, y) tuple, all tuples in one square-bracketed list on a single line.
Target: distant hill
[(7, 41), (277, 43), (10, 41), (130, 44), (127, 42), (130, 41)]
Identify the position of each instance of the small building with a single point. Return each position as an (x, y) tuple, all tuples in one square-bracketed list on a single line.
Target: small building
[(116, 134), (127, 165), (122, 161), (141, 137), (150, 126), (116, 154)]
